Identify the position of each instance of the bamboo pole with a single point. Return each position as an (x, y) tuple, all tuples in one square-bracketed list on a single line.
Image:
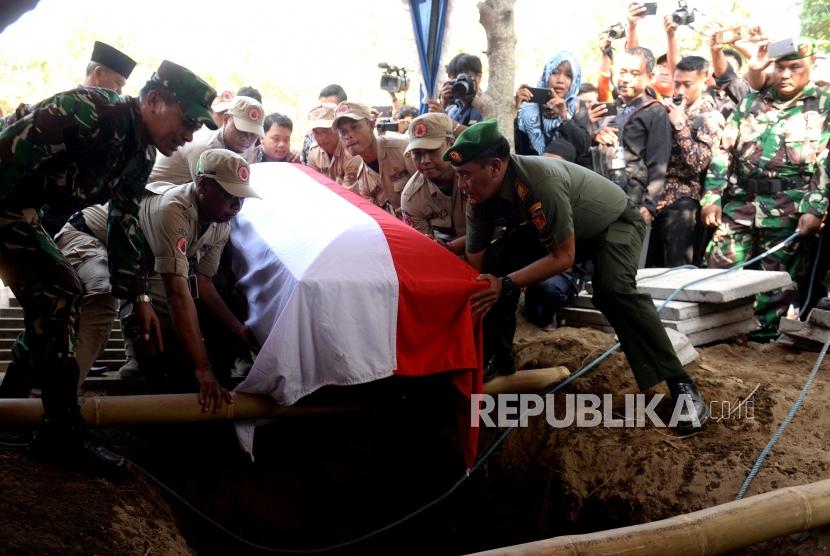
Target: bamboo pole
[(529, 381), (712, 530), (108, 411)]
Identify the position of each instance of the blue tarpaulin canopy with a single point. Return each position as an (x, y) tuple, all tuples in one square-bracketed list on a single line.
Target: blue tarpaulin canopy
[(428, 20)]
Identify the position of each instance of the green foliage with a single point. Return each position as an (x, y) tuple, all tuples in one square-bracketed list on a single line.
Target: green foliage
[(815, 22)]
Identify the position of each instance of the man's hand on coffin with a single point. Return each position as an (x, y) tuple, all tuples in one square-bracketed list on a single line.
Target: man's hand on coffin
[(483, 301), (211, 393)]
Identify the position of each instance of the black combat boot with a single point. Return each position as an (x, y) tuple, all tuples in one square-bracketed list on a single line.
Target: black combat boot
[(63, 441), (694, 417)]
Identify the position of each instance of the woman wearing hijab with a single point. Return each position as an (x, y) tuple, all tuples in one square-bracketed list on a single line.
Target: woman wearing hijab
[(563, 117)]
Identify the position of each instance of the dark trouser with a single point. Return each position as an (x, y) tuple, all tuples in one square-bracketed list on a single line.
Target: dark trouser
[(615, 254), (644, 341), (542, 300), (675, 235), (49, 291)]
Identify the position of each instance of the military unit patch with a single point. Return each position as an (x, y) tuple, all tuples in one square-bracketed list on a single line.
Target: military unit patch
[(243, 172), (455, 156), (521, 190), (254, 114), (181, 245), (420, 130)]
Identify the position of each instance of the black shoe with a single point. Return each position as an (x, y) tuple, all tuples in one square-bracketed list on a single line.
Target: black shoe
[(71, 449), (823, 304), (497, 366), (695, 418)]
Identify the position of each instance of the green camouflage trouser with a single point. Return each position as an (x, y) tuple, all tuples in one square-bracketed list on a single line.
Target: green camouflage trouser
[(49, 290), (735, 243)]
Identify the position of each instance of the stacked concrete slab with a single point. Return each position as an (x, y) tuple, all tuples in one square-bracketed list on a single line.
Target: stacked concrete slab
[(812, 333), (712, 310)]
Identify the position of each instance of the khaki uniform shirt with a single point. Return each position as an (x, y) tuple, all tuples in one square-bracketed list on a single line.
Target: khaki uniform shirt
[(170, 222), (335, 166), (384, 189), (427, 209), (179, 167), (560, 198)]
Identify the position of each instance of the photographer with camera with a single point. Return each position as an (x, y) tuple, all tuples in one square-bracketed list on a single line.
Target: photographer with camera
[(662, 79), (384, 170), (640, 135), (770, 177), (553, 111), (696, 129), (460, 97)]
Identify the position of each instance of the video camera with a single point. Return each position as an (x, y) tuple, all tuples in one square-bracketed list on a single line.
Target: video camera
[(394, 79), (682, 15), (386, 124)]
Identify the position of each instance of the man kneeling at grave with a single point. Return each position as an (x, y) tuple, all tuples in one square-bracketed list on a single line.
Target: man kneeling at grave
[(578, 215)]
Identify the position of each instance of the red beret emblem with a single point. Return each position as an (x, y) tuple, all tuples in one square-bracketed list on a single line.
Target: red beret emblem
[(420, 130), (455, 156), (254, 114), (227, 95), (243, 172)]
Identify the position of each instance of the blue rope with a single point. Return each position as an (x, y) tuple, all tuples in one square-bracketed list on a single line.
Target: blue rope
[(777, 436)]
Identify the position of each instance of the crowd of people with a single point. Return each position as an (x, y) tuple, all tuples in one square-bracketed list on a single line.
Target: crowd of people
[(119, 206)]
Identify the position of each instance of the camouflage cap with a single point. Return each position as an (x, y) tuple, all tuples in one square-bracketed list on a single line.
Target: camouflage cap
[(353, 111), (430, 131), (321, 115), (192, 93), (229, 170), (223, 101), (472, 141), (804, 48), (248, 115)]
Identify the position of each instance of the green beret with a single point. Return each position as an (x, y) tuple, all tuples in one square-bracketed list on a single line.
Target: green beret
[(472, 141), (804, 48), (192, 93)]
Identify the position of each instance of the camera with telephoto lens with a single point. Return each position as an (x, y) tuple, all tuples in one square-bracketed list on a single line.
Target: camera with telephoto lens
[(682, 15), (463, 86), (616, 31), (394, 79), (384, 125)]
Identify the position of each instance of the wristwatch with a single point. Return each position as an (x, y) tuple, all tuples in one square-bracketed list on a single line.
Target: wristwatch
[(508, 288), (142, 298)]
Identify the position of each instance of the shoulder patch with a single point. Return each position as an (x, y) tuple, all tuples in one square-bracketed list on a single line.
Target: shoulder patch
[(538, 216), (181, 245)]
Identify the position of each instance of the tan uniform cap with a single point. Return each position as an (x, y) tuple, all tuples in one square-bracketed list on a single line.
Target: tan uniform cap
[(430, 131), (223, 101), (321, 115), (353, 111), (248, 115), (230, 170)]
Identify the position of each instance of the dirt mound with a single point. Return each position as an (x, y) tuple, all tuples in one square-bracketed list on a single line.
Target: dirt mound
[(589, 479), (49, 511)]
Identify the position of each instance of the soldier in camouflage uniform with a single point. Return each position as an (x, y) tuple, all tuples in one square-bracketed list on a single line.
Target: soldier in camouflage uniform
[(72, 150), (770, 178)]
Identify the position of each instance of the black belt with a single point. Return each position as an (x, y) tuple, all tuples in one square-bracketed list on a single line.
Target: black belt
[(769, 186)]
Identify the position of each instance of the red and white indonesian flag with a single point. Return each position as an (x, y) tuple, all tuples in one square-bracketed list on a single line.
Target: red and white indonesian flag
[(341, 293)]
